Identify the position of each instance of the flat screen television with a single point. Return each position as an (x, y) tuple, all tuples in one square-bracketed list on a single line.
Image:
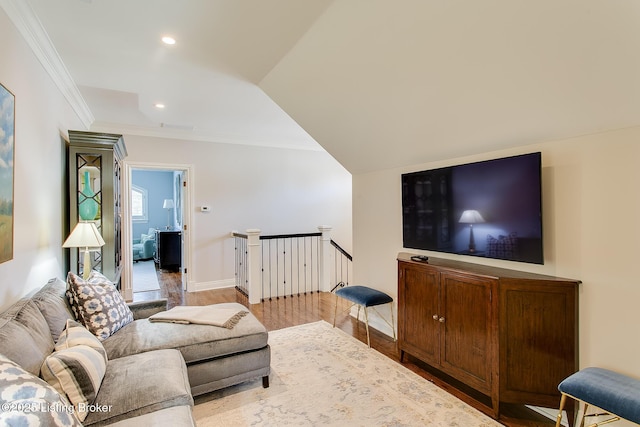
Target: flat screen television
[(489, 209)]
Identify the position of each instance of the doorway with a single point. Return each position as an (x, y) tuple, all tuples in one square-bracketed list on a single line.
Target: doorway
[(155, 226)]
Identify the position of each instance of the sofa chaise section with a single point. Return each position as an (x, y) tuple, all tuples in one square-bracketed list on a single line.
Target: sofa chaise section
[(140, 384), (215, 357), (153, 369)]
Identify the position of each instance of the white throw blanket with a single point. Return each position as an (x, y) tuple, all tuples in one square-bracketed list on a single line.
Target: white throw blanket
[(201, 315)]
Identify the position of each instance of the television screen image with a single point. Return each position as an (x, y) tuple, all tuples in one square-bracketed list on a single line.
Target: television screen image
[(487, 209)]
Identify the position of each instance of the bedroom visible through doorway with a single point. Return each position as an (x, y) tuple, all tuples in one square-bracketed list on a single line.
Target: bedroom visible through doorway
[(156, 225)]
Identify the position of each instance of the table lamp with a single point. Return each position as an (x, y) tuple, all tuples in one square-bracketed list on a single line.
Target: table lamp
[(471, 217), (168, 205), (84, 235)]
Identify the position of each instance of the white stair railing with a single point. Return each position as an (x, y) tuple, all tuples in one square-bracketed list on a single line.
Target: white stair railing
[(281, 266)]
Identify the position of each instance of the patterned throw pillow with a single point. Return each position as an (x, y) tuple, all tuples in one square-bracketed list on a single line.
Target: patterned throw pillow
[(28, 401), (76, 372), (75, 334), (97, 304)]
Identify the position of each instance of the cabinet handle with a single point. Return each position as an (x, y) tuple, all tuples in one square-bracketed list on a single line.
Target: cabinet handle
[(435, 317), (441, 320)]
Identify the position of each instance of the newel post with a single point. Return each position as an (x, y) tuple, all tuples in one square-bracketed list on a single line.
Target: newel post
[(324, 278), (254, 259)]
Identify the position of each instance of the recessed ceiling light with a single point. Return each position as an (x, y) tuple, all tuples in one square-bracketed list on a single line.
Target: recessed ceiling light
[(159, 105), (168, 40)]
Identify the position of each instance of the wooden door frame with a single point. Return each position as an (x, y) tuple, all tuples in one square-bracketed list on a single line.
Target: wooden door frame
[(187, 220)]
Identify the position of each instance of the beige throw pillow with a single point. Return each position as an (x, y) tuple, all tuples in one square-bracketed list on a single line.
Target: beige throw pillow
[(76, 372)]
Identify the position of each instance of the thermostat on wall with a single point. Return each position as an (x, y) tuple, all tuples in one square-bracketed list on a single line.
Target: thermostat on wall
[(205, 209)]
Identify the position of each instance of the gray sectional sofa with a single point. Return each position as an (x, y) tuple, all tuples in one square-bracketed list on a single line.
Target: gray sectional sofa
[(153, 370)]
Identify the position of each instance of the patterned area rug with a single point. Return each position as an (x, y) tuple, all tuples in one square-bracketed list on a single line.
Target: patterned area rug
[(145, 277), (322, 376)]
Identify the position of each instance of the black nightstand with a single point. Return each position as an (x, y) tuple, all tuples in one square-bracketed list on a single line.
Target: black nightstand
[(168, 249)]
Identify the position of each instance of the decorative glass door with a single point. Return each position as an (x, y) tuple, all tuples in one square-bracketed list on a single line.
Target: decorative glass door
[(89, 196)]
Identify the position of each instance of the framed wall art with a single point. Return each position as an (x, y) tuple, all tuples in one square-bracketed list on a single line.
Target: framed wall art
[(7, 128)]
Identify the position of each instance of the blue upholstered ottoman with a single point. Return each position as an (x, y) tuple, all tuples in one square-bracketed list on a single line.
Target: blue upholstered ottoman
[(610, 391), (366, 297)]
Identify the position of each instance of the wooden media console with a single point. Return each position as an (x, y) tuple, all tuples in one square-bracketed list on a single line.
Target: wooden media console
[(512, 336)]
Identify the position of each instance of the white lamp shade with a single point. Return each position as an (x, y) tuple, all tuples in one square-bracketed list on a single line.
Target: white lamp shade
[(168, 204), (84, 235), (471, 217)]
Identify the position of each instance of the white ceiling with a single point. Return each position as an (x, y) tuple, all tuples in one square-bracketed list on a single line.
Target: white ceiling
[(207, 80), (382, 84), (377, 83)]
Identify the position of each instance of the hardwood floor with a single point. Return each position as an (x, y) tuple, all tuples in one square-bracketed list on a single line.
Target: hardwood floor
[(284, 312)]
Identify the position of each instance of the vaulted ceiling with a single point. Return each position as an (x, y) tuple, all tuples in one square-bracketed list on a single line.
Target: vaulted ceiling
[(207, 80), (377, 83)]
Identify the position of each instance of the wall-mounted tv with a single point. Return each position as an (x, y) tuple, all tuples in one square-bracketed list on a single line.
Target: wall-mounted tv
[(489, 209)]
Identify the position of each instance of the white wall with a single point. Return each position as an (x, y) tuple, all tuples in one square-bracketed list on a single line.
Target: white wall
[(42, 115), (591, 208), (274, 190)]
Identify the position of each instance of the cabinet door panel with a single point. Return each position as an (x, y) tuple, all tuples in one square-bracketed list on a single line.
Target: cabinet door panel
[(465, 342), (419, 296), (538, 339)]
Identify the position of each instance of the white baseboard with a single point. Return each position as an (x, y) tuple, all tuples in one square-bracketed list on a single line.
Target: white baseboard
[(214, 284), (552, 414), (375, 321)]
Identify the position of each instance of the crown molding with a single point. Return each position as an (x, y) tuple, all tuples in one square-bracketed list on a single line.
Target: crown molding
[(28, 24), (199, 136)]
